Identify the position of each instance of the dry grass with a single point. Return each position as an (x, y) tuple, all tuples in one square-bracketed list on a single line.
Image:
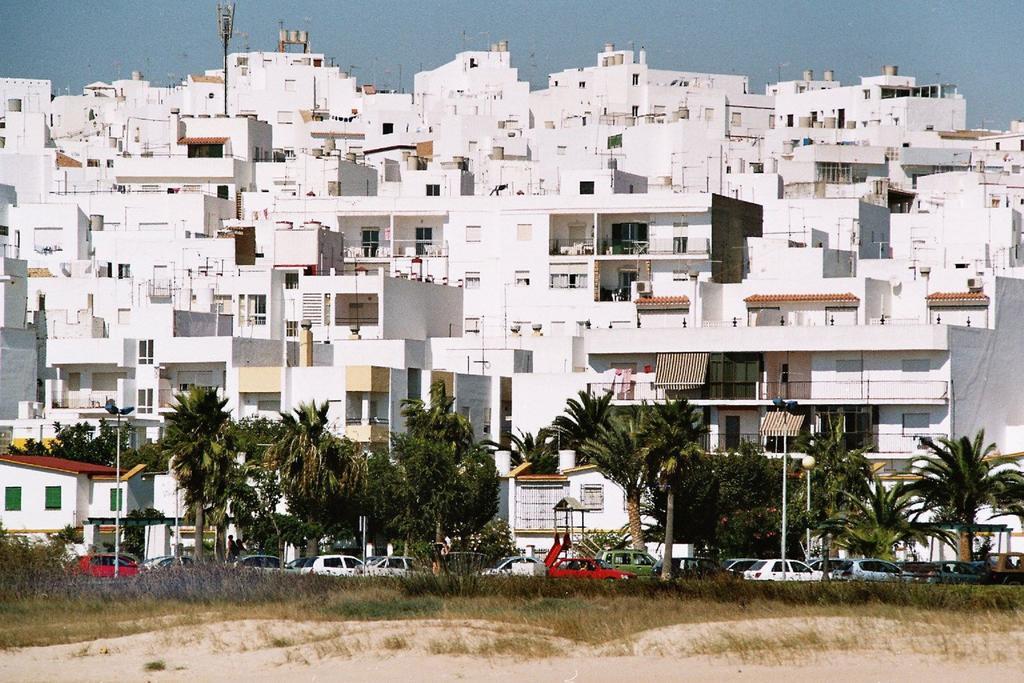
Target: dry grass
[(157, 665)]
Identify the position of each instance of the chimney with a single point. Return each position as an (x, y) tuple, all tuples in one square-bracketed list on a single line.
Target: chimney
[(306, 344), (566, 460), (537, 330), (503, 462), (808, 74), (829, 75), (890, 70), (643, 55), (609, 47)]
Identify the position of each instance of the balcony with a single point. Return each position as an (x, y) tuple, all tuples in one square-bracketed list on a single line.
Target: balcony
[(422, 248), (853, 391), (571, 247), (887, 444), (83, 400)]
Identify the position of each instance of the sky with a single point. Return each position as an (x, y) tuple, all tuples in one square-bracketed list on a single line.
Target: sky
[(974, 44)]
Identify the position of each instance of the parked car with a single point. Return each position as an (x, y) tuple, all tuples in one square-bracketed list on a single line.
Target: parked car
[(638, 562), (584, 568), (259, 562), (739, 565), (101, 565), (869, 570), (515, 564), (1006, 568), (944, 572), (334, 565), (164, 562), (833, 562), (297, 565), (396, 565), (773, 570), (691, 567)]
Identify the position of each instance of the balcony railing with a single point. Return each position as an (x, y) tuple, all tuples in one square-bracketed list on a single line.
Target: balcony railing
[(901, 443), (428, 248), (83, 400), (571, 247), (812, 390), (358, 420)]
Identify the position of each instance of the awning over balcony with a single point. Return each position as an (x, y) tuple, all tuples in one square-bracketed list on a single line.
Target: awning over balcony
[(681, 370), (779, 423)]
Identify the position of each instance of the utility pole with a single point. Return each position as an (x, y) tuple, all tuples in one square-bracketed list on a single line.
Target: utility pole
[(225, 25)]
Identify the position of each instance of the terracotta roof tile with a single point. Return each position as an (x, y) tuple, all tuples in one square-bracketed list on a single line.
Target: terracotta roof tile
[(202, 141), (60, 464), (821, 297), (958, 296), (663, 301), (39, 272), (64, 161), (203, 78)]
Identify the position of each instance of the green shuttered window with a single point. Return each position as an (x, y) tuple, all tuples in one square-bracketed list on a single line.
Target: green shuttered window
[(53, 498), (12, 498)]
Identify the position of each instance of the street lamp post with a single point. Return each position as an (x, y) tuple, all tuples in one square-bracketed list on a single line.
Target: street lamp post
[(808, 463), (786, 407), (112, 408)]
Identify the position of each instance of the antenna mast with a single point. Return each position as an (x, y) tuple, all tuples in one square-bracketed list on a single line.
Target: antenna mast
[(225, 26)]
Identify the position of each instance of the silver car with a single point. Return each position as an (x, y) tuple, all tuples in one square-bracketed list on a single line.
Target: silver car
[(869, 570)]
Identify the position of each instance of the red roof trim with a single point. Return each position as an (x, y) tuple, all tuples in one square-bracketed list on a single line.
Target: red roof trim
[(60, 464), (662, 300), (822, 297), (202, 141), (957, 296)]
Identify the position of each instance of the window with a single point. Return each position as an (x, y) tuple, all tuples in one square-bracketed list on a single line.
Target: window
[(211, 151), (145, 352), (524, 232), (291, 280), (433, 190), (332, 562), (12, 499), (636, 79), (568, 276), (387, 128), (709, 113), (586, 187), (472, 233), (289, 85), (592, 496), (472, 280), (867, 94), (789, 120), (736, 118), (4, 231), (370, 242), (52, 498), (916, 421), (583, 84), (849, 365), (284, 117), (522, 278), (145, 401), (124, 271), (291, 328), (472, 325), (424, 238), (256, 309), (560, 150), (116, 500), (916, 365), (635, 111)]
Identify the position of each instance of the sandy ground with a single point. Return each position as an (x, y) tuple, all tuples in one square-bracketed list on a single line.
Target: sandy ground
[(850, 650)]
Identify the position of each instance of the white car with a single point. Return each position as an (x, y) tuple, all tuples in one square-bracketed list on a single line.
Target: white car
[(520, 565), (773, 570), (332, 565), (396, 565)]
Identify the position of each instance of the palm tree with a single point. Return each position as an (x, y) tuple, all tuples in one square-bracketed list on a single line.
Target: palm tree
[(621, 450), (538, 450), (838, 472), (880, 520), (438, 419), (958, 478), (196, 443), (674, 429), (315, 466), (583, 418)]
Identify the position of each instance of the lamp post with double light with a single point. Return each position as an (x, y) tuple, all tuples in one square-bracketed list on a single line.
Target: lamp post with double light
[(113, 409)]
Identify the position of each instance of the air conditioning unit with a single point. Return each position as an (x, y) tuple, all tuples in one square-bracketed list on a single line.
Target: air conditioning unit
[(643, 288), (975, 284)]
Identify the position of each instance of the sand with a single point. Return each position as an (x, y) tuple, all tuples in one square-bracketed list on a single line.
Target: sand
[(791, 650)]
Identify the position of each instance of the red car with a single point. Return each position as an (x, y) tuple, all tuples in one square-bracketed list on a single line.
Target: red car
[(102, 566), (584, 568)]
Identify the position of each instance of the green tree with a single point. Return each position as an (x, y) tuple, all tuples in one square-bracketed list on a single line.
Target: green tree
[(583, 418), (438, 419), (135, 536), (958, 478), (622, 450), (319, 471), (537, 449), (748, 511), (195, 442), (879, 520), (674, 429)]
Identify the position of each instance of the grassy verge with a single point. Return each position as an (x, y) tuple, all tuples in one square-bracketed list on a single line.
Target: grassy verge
[(76, 609)]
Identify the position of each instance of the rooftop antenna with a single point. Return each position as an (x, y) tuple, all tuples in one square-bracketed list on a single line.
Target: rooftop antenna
[(225, 26)]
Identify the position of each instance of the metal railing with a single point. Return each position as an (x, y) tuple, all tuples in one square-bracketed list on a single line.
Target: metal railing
[(570, 247), (359, 420), (901, 443), (410, 248), (810, 390), (82, 400), (9, 251)]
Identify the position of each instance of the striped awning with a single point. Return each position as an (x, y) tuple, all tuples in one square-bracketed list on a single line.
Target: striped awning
[(681, 370), (779, 423)]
